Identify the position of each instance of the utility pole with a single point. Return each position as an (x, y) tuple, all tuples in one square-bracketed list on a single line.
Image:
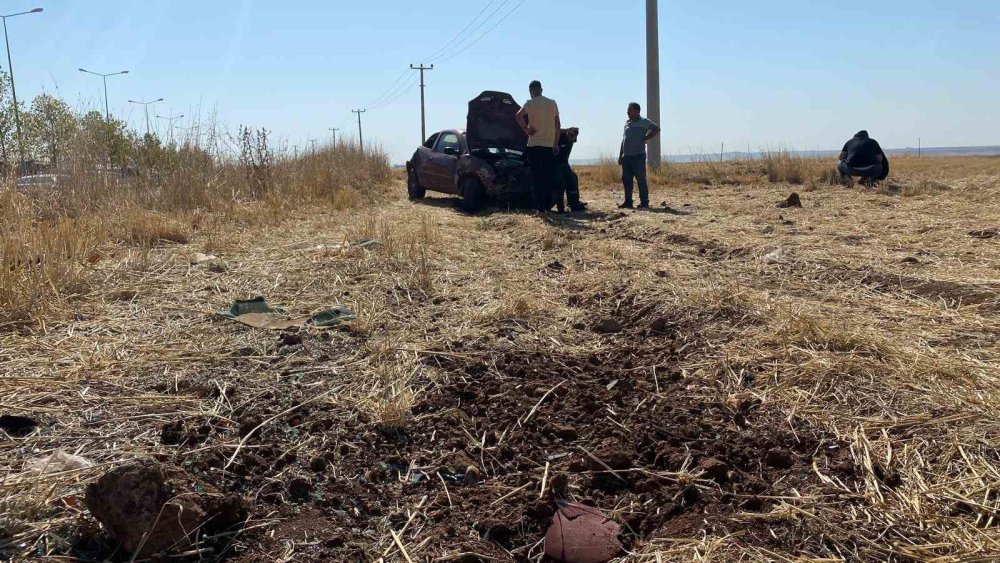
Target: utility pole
[(722, 152), (13, 90), (361, 139), (334, 129), (423, 122), (653, 78), (918, 147)]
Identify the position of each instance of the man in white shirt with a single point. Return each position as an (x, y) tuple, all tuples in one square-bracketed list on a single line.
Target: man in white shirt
[(539, 118)]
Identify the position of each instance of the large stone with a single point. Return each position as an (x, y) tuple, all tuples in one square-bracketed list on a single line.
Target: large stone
[(152, 508)]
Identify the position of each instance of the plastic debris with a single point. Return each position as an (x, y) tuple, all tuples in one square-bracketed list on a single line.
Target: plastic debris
[(199, 258), (258, 314), (58, 462), (776, 256), (582, 534)]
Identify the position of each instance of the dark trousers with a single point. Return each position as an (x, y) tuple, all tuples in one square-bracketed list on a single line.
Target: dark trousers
[(873, 172), (543, 176), (634, 166), (568, 184)]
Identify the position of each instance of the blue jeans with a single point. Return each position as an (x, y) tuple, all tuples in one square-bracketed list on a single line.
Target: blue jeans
[(634, 166)]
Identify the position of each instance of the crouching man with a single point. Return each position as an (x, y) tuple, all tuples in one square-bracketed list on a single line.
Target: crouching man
[(862, 157)]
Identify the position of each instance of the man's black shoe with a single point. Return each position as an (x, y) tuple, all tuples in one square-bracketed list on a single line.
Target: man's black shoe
[(626, 205), (578, 207), (643, 207)]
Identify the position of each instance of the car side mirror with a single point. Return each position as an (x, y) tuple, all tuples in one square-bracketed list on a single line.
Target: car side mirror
[(452, 151)]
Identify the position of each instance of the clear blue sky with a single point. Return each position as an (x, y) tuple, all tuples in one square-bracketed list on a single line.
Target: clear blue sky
[(764, 73)]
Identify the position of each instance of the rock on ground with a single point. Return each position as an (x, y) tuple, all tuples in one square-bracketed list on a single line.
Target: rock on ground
[(150, 507)]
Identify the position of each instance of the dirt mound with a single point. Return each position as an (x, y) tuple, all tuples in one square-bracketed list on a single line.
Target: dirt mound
[(150, 507), (663, 455)]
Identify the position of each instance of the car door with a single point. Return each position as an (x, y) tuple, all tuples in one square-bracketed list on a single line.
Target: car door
[(442, 162), (421, 158)]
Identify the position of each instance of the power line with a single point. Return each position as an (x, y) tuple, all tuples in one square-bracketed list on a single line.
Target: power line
[(383, 95), (460, 33), (485, 33), (406, 88), (461, 40), (460, 46)]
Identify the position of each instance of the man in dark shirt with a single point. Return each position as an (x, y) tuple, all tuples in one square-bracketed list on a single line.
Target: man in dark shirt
[(568, 182), (862, 156)]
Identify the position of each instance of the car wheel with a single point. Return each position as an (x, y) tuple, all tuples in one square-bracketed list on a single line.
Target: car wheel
[(413, 188), (473, 195)]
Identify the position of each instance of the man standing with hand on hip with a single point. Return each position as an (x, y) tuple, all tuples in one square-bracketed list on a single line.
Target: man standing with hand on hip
[(632, 157), (539, 118)]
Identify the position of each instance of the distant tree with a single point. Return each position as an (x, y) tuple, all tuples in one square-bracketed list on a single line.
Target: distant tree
[(110, 140), (8, 132), (50, 127)]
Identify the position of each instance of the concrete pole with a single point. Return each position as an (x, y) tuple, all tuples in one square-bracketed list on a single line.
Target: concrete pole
[(423, 122), (653, 79), (361, 138)]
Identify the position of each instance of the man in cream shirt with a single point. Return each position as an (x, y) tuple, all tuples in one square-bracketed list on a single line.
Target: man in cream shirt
[(539, 118)]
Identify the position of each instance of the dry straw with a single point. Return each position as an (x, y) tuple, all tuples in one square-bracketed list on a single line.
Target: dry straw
[(107, 334)]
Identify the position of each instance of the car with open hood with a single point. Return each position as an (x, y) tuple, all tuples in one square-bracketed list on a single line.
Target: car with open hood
[(483, 163)]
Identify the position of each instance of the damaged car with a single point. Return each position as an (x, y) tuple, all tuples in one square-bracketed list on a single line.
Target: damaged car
[(482, 164)]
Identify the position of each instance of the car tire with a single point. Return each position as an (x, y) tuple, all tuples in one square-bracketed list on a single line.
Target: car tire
[(473, 195), (413, 188)]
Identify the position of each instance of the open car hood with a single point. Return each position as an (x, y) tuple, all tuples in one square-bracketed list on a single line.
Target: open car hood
[(491, 124)]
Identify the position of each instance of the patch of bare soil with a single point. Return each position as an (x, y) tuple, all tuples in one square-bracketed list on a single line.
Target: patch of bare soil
[(625, 431)]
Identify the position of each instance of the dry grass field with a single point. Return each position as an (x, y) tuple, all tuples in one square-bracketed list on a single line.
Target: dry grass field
[(728, 380)]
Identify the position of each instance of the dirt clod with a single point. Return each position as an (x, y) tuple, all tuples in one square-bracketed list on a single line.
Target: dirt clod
[(779, 458), (985, 233), (608, 326), (565, 432), (319, 464), (150, 507), (472, 475), (300, 488), (715, 469), (793, 201)]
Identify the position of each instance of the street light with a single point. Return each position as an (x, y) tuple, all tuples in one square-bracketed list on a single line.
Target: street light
[(13, 91), (145, 106), (170, 119), (107, 112)]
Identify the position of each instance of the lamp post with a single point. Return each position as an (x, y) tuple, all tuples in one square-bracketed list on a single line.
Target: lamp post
[(170, 121), (107, 112), (145, 107), (13, 91)]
